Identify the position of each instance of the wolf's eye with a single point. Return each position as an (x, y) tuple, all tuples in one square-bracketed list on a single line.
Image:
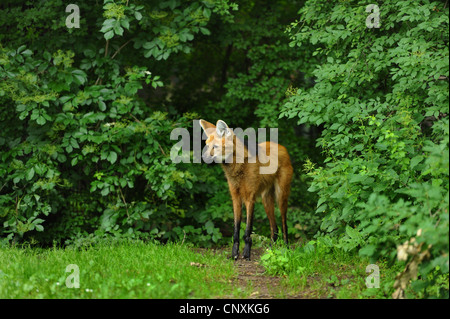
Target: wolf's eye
[(216, 147)]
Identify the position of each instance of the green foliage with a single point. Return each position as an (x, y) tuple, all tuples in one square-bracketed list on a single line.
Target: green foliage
[(87, 113), (322, 268), (81, 151), (382, 97)]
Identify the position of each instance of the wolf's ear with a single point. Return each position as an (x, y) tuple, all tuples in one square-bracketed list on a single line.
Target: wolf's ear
[(222, 129), (207, 127)]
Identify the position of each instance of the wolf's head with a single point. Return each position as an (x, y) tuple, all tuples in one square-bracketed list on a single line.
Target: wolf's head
[(220, 142)]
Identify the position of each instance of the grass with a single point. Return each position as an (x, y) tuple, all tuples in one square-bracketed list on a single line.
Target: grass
[(324, 272), (121, 270), (134, 269)]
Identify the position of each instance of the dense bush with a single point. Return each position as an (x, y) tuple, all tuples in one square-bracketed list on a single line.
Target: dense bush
[(381, 95), (87, 115), (81, 150)]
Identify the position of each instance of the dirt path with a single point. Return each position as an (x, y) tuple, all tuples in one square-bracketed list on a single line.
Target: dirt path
[(253, 280), (251, 277)]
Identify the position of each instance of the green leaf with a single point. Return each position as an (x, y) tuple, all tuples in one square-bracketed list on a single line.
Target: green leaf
[(38, 221), (21, 107), (138, 15), (106, 28), (105, 191), (205, 31), (149, 45), (207, 13), (108, 35), (415, 160), (74, 143), (30, 174), (117, 28), (125, 23), (367, 250), (209, 226), (21, 48), (46, 55), (109, 23), (101, 106), (356, 178), (112, 157), (41, 120), (79, 76), (27, 52)]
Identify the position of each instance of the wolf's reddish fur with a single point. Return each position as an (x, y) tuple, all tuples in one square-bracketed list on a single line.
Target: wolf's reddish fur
[(246, 183)]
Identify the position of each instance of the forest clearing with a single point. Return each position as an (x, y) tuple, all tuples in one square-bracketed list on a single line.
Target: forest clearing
[(115, 115)]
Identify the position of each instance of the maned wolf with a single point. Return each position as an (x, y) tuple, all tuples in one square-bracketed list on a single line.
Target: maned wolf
[(243, 165)]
